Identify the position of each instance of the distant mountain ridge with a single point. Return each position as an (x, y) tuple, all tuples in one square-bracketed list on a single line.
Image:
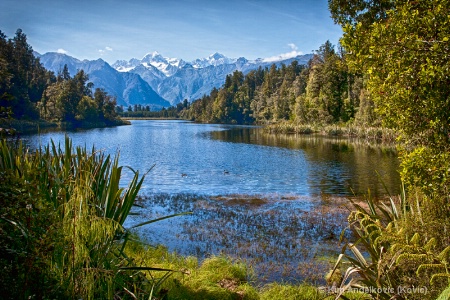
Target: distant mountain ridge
[(128, 88), (159, 81)]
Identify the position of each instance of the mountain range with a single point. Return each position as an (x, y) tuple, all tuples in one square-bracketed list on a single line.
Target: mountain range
[(159, 81)]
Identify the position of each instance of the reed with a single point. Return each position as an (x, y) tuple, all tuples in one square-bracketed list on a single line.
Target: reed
[(367, 133)]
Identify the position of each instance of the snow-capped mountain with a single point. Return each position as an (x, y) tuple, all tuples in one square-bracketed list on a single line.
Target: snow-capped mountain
[(128, 88), (168, 66), (160, 81), (125, 66), (215, 59), (192, 83), (176, 80)]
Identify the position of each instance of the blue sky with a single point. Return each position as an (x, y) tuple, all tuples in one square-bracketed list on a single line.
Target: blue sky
[(113, 29)]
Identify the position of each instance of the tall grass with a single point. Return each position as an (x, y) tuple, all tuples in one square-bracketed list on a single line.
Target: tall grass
[(372, 134), (71, 210)]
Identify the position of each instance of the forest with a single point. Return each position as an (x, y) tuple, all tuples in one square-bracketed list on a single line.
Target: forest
[(324, 91), (62, 209), (29, 92)]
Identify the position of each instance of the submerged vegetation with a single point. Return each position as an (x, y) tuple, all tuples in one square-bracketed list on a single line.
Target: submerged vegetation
[(283, 238)]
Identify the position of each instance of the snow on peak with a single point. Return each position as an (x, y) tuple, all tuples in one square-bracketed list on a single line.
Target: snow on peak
[(170, 66), (125, 66), (176, 62), (215, 59), (216, 56), (153, 57)]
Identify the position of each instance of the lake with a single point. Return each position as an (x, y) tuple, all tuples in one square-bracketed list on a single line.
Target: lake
[(277, 202), (222, 159)]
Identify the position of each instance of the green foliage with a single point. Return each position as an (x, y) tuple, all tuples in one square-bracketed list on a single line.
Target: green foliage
[(289, 292), (139, 111), (28, 91), (216, 277), (445, 294), (22, 77), (61, 225), (428, 169), (71, 100), (303, 291), (324, 92), (87, 109), (230, 104), (5, 122), (24, 246), (402, 47), (398, 245), (359, 11)]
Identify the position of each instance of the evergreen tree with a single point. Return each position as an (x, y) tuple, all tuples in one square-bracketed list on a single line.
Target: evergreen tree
[(23, 77)]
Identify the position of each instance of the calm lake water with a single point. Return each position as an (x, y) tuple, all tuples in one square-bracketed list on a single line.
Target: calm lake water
[(274, 201), (219, 159)]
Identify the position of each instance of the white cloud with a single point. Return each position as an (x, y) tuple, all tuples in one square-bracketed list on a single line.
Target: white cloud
[(284, 56), (293, 46), (61, 51), (103, 51)]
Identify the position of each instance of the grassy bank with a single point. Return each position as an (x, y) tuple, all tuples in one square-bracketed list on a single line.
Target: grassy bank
[(372, 134), (31, 126), (220, 277)]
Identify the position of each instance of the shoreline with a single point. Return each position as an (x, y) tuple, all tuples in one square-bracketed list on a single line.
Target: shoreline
[(26, 126), (371, 134)]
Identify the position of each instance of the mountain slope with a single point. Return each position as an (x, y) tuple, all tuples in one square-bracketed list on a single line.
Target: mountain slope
[(192, 83), (128, 88), (193, 80), (160, 81)]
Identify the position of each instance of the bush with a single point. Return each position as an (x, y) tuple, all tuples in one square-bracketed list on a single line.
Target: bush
[(427, 169), (401, 249)]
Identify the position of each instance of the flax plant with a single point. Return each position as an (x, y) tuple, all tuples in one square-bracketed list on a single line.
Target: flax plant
[(400, 250), (76, 196)]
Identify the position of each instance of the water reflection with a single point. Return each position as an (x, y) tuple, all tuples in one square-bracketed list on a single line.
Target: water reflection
[(212, 159), (340, 166)]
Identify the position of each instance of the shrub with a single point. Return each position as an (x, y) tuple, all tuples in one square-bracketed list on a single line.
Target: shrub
[(401, 248), (61, 225)]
